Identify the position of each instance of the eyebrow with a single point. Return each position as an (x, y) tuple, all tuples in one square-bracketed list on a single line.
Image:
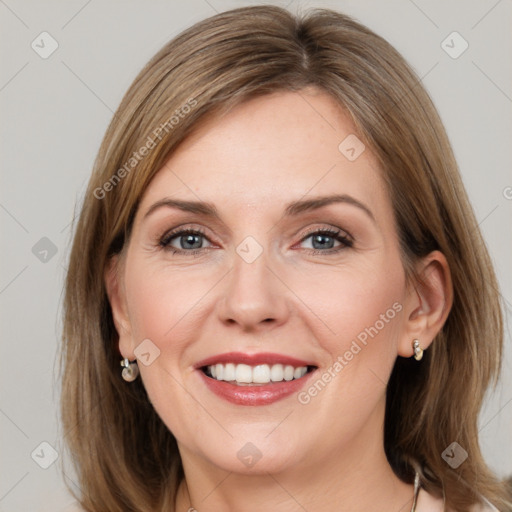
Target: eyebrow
[(291, 210)]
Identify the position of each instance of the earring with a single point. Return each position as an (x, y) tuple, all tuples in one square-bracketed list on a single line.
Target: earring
[(418, 351), (130, 370)]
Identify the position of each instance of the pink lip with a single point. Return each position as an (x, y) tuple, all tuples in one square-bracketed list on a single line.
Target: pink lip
[(253, 359), (262, 394)]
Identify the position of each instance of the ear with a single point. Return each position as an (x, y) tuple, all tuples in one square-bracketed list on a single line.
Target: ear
[(116, 297), (428, 303)]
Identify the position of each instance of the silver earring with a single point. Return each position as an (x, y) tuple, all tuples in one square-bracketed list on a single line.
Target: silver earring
[(130, 370), (418, 351)]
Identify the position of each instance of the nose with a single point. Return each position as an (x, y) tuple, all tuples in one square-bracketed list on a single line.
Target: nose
[(254, 297)]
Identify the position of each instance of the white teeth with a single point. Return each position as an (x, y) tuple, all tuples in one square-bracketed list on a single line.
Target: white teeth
[(259, 374), (243, 373), (288, 372), (276, 373), (229, 372)]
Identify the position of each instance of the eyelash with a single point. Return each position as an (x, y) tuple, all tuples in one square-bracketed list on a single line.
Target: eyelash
[(166, 240), (337, 234)]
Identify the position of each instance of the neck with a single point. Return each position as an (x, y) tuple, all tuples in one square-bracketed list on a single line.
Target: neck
[(356, 477)]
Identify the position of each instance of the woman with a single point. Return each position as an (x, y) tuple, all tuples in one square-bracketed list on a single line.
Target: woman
[(278, 296)]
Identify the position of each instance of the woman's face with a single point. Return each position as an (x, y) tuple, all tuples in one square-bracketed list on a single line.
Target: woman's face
[(237, 270)]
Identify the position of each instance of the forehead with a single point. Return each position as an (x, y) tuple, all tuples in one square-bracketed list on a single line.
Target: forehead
[(269, 151)]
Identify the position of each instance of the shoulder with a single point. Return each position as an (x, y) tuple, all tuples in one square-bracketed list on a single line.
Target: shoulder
[(485, 507), (428, 503)]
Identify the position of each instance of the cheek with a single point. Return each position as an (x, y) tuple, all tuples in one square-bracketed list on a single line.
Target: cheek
[(163, 306), (360, 304), (160, 301), (361, 313)]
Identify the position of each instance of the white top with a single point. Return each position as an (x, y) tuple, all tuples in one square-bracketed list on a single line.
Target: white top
[(428, 503)]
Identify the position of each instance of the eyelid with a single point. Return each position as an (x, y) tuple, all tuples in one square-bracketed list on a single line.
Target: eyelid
[(329, 229)]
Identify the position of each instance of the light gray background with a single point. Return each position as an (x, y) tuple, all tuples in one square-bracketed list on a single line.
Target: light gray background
[(54, 113)]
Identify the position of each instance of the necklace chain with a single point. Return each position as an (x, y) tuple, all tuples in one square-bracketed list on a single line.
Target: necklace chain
[(416, 491)]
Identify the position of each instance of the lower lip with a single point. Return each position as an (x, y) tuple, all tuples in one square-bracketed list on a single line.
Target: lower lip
[(264, 394)]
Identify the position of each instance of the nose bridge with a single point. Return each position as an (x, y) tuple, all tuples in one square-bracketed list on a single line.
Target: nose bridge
[(253, 294)]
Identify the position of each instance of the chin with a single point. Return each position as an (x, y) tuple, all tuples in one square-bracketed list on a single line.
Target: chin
[(251, 459)]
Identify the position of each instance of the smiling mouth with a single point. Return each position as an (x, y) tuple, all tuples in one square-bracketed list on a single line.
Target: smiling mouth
[(257, 375)]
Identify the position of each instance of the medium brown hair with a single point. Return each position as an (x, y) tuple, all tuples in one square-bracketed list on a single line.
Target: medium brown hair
[(124, 455)]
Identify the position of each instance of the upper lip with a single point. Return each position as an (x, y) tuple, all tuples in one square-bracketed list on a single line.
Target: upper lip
[(253, 359)]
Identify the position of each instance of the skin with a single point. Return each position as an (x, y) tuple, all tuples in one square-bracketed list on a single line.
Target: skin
[(324, 455)]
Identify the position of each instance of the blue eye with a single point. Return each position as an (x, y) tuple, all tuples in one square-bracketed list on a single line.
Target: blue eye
[(323, 241), (189, 240)]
